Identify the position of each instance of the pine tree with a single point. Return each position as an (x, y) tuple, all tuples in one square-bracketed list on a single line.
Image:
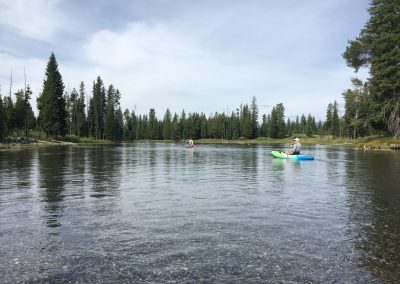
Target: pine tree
[(278, 121), (246, 127), (110, 115), (97, 108), (9, 115), (204, 127), (309, 126), (264, 126), (19, 110), (335, 120), (314, 125), (356, 116), (152, 124), (131, 128), (144, 127), (254, 118), (2, 127), (81, 108), (23, 114), (303, 124), (175, 133), (297, 125), (74, 112), (378, 48), (167, 125), (289, 129), (194, 125), (51, 103), (182, 125), (269, 125), (119, 125), (91, 118), (213, 126), (29, 115), (328, 126)]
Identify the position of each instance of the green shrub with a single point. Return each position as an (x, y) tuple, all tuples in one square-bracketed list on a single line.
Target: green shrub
[(69, 138)]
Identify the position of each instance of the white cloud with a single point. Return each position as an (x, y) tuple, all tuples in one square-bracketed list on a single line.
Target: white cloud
[(161, 62), (34, 70), (156, 65), (36, 19)]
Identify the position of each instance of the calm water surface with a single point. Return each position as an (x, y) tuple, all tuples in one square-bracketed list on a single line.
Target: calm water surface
[(151, 212)]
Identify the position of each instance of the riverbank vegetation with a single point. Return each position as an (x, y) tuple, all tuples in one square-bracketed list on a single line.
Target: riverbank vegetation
[(371, 108), (365, 143)]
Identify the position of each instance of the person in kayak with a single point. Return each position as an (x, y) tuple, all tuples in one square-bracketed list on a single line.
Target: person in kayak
[(296, 147)]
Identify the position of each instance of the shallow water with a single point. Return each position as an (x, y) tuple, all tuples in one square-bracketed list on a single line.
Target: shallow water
[(158, 212)]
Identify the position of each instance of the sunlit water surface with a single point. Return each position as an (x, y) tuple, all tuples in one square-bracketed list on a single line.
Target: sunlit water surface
[(155, 212)]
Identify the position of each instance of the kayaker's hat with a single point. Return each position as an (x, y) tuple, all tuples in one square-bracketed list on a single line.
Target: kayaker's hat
[(296, 139)]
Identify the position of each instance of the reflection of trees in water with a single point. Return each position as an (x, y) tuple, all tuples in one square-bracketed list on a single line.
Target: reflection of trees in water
[(249, 161), (166, 160), (157, 161), (244, 162), (335, 157), (139, 162), (104, 166), (17, 167), (374, 204), (52, 167), (77, 171), (152, 156)]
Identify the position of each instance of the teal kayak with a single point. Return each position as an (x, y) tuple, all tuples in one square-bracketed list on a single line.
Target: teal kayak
[(282, 155)]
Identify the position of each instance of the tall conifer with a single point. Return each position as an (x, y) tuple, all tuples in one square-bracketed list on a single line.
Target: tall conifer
[(377, 47), (51, 103), (1, 119)]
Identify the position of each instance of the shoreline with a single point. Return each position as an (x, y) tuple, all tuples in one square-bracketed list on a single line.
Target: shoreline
[(366, 143)]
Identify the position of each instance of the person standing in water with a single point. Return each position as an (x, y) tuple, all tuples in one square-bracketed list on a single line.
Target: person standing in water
[(190, 142)]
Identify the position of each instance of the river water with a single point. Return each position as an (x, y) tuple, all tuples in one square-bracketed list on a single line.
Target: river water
[(158, 212)]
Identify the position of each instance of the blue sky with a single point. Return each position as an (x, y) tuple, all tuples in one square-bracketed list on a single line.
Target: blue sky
[(199, 55)]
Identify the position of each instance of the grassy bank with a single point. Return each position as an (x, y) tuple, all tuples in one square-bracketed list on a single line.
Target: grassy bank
[(92, 141), (361, 143), (371, 143)]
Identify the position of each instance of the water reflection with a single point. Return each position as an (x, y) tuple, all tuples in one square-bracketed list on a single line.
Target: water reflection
[(77, 170), (52, 170), (151, 158), (104, 169), (374, 198), (249, 164), (16, 169)]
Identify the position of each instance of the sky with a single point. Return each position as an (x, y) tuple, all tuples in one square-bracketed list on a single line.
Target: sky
[(199, 55)]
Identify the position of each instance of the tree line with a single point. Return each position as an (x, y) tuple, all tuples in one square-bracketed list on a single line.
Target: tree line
[(16, 115), (99, 116)]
